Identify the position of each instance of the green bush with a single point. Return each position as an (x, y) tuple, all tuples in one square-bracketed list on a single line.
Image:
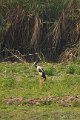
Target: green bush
[(70, 69), (50, 70), (77, 70)]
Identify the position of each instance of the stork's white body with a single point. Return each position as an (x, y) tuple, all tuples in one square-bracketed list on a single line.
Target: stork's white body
[(41, 72), (39, 68)]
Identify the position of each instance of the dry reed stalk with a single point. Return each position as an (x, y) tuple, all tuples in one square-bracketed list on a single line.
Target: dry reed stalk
[(36, 31), (60, 26)]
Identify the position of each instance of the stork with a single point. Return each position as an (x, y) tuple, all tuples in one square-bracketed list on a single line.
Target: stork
[(42, 75)]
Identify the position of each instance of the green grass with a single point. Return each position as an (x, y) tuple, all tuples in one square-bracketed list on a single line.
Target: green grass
[(20, 80)]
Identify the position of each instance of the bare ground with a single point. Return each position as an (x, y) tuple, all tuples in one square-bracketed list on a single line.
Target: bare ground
[(62, 101)]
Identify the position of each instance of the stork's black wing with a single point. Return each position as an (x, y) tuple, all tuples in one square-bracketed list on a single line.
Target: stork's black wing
[(40, 70), (43, 75)]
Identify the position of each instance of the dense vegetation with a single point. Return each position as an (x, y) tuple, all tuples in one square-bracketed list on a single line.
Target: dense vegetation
[(46, 27)]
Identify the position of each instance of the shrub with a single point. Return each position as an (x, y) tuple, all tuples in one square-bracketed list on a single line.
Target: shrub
[(70, 69), (78, 70), (49, 70)]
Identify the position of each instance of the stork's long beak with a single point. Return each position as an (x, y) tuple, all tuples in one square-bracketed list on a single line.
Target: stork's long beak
[(34, 64)]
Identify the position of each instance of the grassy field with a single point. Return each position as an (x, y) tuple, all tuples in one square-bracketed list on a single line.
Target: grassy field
[(20, 97)]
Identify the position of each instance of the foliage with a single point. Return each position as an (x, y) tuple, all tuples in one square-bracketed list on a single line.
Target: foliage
[(50, 70), (38, 26), (39, 6), (71, 69)]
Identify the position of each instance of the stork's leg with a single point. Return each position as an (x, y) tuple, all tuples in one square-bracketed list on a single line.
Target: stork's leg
[(41, 85)]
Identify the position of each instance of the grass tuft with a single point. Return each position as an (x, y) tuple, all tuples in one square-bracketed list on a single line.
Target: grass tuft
[(70, 69), (76, 103), (50, 70)]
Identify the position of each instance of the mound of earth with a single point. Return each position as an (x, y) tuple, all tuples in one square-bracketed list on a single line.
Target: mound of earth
[(63, 101)]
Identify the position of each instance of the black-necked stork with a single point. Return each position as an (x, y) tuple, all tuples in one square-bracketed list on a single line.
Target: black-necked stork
[(41, 72)]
